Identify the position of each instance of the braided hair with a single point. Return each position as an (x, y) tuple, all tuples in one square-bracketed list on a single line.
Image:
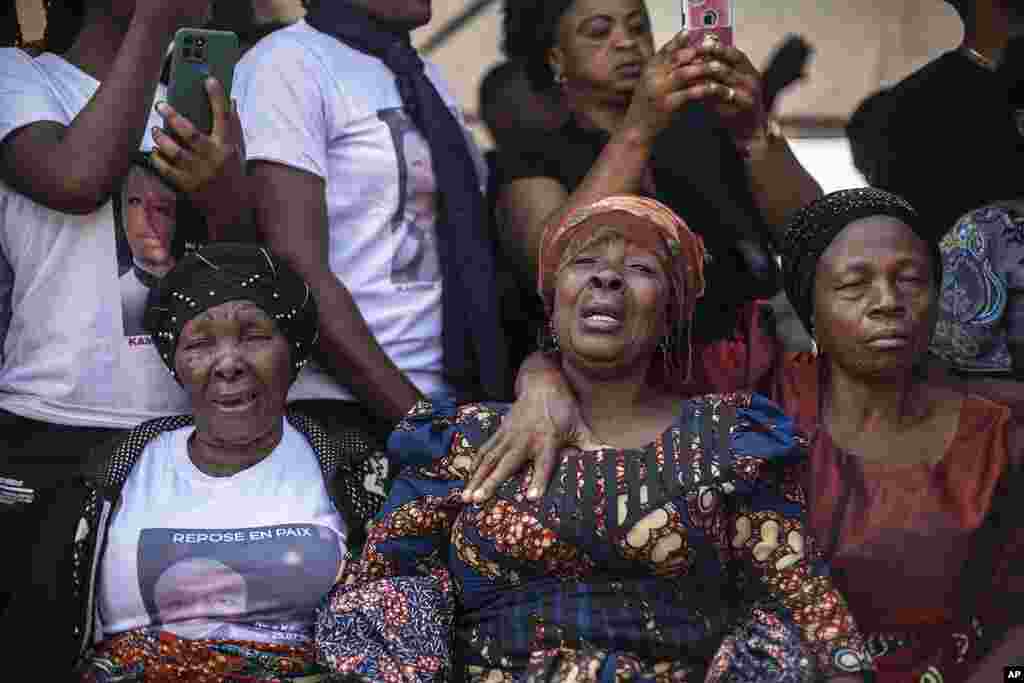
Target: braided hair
[(530, 29), (64, 21)]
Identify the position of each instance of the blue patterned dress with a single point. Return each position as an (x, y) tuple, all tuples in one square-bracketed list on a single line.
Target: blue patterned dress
[(686, 560)]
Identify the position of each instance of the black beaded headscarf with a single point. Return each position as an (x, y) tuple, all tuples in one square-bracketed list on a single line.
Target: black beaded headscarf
[(224, 271), (815, 227)]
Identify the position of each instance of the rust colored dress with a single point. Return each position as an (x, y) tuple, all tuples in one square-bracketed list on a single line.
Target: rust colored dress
[(931, 555)]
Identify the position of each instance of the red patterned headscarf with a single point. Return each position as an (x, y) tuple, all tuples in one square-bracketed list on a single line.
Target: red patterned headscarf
[(651, 225)]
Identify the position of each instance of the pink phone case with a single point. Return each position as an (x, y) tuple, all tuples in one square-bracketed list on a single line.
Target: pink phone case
[(709, 20)]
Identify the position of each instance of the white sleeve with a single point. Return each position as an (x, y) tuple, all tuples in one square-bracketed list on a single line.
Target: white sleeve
[(25, 97), (283, 105)]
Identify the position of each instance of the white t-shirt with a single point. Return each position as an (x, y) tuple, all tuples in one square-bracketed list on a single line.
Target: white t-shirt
[(313, 103), (246, 557), (67, 359)]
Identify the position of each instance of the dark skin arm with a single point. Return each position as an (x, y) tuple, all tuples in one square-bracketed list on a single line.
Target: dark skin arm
[(75, 168), (291, 215)]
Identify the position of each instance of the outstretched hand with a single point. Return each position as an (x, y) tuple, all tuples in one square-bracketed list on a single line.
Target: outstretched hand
[(542, 423)]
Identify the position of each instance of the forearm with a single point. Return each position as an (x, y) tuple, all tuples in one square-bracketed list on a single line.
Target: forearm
[(98, 146), (780, 184), (355, 358), (618, 170)]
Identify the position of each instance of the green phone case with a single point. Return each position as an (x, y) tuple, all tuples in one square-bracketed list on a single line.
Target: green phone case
[(199, 53)]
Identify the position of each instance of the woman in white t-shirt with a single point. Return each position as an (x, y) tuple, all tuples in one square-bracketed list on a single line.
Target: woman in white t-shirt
[(205, 544)]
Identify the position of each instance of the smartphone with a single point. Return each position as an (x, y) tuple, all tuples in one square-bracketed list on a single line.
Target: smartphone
[(709, 21), (197, 54)]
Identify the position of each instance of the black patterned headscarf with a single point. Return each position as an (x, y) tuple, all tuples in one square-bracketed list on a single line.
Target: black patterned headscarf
[(225, 271), (817, 225)]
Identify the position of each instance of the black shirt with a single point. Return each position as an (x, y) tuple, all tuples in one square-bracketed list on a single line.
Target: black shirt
[(699, 174), (948, 140)]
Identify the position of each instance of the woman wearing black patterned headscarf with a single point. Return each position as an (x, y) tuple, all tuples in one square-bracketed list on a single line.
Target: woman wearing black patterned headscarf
[(207, 541)]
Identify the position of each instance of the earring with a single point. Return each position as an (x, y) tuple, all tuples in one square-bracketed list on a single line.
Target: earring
[(814, 347), (548, 340)]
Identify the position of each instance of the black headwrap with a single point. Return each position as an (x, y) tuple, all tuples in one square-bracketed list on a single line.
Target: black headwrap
[(814, 228), (222, 272)]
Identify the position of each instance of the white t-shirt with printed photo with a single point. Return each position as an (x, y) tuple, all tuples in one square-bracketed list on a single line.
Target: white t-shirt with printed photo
[(312, 103), (245, 557), (67, 359)]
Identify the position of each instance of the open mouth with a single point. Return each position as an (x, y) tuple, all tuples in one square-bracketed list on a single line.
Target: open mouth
[(236, 402), (602, 318)]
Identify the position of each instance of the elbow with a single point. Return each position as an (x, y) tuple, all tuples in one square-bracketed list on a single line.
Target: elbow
[(79, 197)]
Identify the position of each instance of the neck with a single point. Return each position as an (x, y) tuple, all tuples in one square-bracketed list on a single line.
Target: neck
[(267, 11), (988, 30), (156, 271), (594, 113), (610, 399), (96, 46), (867, 405), (217, 458)]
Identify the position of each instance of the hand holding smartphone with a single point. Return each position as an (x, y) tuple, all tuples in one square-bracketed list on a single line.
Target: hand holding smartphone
[(199, 54), (709, 22)]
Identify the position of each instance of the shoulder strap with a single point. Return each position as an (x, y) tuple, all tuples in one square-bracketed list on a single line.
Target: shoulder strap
[(119, 465)]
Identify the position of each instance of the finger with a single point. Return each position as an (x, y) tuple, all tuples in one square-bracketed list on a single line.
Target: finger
[(168, 147), (220, 107), (670, 50), (511, 462), (169, 171), (178, 124), (486, 459), (543, 468), (726, 53)]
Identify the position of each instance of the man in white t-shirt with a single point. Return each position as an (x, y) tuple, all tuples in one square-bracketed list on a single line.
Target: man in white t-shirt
[(69, 128), (346, 191)]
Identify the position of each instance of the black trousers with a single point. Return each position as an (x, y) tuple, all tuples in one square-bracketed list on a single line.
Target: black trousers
[(44, 457)]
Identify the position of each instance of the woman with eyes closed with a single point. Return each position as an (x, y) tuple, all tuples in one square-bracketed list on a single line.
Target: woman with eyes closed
[(685, 125), (202, 545), (670, 548), (911, 477)]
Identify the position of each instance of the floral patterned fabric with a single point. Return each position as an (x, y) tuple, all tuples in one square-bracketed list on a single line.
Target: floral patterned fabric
[(682, 561), (156, 656), (980, 310)]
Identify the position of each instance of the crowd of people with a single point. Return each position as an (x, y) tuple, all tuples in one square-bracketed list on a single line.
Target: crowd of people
[(327, 394)]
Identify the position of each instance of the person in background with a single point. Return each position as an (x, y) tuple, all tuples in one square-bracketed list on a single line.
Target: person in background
[(634, 112), (980, 330), (512, 110), (366, 181), (913, 479), (867, 144), (960, 103), (70, 126), (670, 548), (254, 19)]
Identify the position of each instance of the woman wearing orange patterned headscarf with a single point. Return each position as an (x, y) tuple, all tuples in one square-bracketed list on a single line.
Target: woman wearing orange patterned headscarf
[(536, 590)]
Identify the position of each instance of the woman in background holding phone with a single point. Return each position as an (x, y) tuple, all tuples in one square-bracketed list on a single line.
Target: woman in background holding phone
[(722, 166)]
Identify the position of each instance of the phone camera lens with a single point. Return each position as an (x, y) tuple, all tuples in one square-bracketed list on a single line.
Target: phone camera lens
[(200, 42), (711, 18)]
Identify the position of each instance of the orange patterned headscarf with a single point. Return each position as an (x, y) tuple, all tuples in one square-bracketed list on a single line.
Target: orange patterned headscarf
[(649, 224)]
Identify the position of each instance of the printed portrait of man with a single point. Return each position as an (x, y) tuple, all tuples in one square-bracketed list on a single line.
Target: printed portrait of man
[(149, 216)]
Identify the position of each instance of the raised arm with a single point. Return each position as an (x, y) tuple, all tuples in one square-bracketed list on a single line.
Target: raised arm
[(75, 168), (284, 105), (291, 214)]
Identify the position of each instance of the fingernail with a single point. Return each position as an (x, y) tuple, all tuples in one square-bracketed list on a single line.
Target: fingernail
[(478, 497), (533, 494)]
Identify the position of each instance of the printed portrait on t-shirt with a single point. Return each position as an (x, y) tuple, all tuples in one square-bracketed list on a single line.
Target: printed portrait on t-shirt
[(237, 584), (415, 259), (147, 211)]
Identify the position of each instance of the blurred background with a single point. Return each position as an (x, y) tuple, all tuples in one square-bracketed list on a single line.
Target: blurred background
[(859, 48)]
